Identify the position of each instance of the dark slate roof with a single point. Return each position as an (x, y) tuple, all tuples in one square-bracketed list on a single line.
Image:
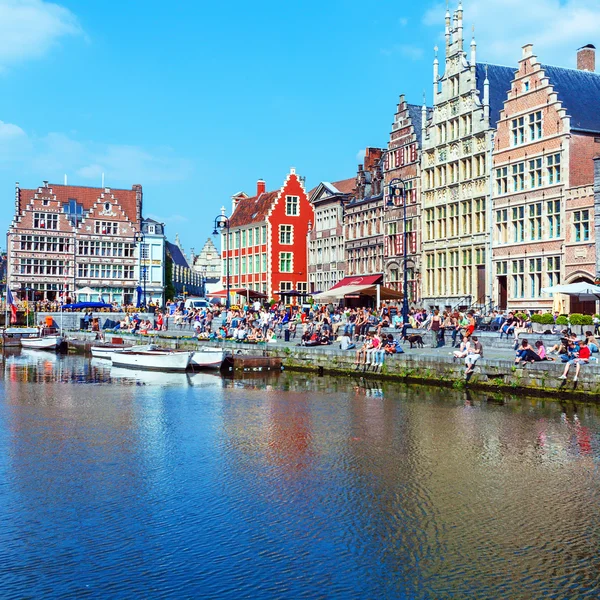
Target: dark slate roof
[(177, 256), (579, 92), (415, 114), (500, 79)]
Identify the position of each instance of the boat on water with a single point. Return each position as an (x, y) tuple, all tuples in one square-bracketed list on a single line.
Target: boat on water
[(153, 360), (12, 336), (208, 358), (46, 342), (106, 351)]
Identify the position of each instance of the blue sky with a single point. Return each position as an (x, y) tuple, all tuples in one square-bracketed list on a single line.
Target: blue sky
[(197, 100)]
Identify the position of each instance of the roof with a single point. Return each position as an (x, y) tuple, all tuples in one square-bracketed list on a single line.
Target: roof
[(345, 186), (579, 92), (252, 210), (177, 255), (86, 196), (416, 117), (500, 79)]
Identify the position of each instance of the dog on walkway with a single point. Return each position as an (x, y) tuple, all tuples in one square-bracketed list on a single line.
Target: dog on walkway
[(415, 340)]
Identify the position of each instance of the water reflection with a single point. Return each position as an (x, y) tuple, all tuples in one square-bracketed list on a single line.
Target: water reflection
[(288, 486)]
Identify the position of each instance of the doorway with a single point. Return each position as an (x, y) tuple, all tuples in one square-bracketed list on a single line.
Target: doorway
[(502, 292)]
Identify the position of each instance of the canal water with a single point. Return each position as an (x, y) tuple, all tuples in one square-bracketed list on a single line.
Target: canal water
[(119, 484)]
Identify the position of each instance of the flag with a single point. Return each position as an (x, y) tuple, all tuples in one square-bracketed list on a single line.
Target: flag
[(13, 307)]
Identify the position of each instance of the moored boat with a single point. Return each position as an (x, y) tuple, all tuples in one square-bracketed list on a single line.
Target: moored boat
[(12, 336), (47, 342), (107, 350), (208, 358), (153, 360)]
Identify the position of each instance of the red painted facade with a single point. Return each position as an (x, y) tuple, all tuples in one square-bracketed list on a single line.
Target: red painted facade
[(267, 246)]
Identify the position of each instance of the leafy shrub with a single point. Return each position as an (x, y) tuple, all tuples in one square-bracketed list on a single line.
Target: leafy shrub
[(575, 318), (562, 320), (536, 318), (522, 316), (587, 320), (547, 319)]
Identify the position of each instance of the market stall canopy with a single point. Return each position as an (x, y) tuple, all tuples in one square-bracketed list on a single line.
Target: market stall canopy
[(338, 293), (363, 280), (82, 305), (582, 289)]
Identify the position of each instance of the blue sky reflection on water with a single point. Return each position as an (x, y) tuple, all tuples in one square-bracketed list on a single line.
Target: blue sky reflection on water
[(288, 487)]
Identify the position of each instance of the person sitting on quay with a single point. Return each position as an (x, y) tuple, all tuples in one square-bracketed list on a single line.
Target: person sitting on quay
[(361, 353), (463, 348), (346, 342), (592, 342), (582, 357), (526, 353), (474, 353), (540, 349), (392, 345), (508, 327)]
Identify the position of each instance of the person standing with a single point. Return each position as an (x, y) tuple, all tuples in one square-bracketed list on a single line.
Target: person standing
[(435, 325)]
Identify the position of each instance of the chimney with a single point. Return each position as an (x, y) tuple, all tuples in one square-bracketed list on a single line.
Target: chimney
[(261, 187), (586, 58)]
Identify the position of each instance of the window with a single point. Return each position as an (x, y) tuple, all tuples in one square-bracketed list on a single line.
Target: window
[(518, 177), (480, 256), (285, 234), (285, 262), (244, 263), (441, 222), (553, 215), (250, 244), (453, 172), (501, 180), (256, 236), (479, 215), (502, 267), (244, 236), (581, 222), (526, 85), (453, 220), (535, 277), (517, 128), (502, 225), (45, 221), (264, 262), (518, 269), (264, 234), (250, 264), (106, 228), (145, 252), (466, 208), (429, 223), (535, 221), (518, 217), (553, 165), (292, 206), (553, 270), (535, 172), (479, 168), (535, 126), (151, 229), (453, 271), (257, 263)]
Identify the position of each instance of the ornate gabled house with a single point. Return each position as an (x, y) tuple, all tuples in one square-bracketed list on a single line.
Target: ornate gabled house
[(326, 242), (208, 265), (63, 238), (402, 169), (456, 174), (548, 136), (267, 246), (363, 220)]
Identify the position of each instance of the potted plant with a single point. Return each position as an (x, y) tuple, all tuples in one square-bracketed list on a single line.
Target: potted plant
[(536, 323), (547, 321), (575, 321)]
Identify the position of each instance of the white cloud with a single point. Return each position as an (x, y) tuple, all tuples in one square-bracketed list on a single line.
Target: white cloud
[(29, 28), (53, 155), (555, 27)]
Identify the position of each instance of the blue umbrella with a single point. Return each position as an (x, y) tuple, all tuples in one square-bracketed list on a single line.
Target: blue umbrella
[(139, 292)]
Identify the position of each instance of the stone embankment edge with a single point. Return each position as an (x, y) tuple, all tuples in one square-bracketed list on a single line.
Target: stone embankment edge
[(492, 375)]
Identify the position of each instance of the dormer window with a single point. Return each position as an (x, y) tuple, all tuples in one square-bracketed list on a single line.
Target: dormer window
[(151, 229)]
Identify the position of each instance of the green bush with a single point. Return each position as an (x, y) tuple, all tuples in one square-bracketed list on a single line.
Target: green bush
[(536, 318), (562, 320), (522, 316), (547, 319), (587, 320), (575, 319)]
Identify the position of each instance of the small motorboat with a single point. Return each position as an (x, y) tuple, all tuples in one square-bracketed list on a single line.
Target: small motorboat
[(107, 350), (12, 336), (46, 342), (208, 358), (153, 360)]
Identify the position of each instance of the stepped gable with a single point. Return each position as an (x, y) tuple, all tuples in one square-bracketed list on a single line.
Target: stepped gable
[(86, 196), (500, 79), (252, 210), (579, 92)]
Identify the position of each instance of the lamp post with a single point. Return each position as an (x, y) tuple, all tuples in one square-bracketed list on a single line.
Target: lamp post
[(222, 223), (397, 190), (139, 238)]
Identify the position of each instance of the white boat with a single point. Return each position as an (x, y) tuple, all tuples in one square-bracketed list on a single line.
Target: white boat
[(12, 336), (108, 350), (154, 360), (173, 379), (47, 342), (208, 358)]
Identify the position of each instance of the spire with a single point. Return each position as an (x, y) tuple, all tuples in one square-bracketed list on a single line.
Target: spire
[(447, 26), (423, 116), (486, 96), (436, 72), (459, 25), (473, 61)]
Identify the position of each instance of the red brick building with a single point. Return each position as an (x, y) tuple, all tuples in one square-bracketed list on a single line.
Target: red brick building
[(403, 161), (63, 238), (267, 249), (543, 203)]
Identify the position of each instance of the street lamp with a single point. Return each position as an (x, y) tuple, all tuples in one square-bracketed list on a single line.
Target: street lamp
[(222, 223), (139, 238), (397, 190)]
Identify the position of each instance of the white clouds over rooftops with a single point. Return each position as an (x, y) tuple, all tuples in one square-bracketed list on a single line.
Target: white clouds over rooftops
[(555, 27), (29, 28)]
